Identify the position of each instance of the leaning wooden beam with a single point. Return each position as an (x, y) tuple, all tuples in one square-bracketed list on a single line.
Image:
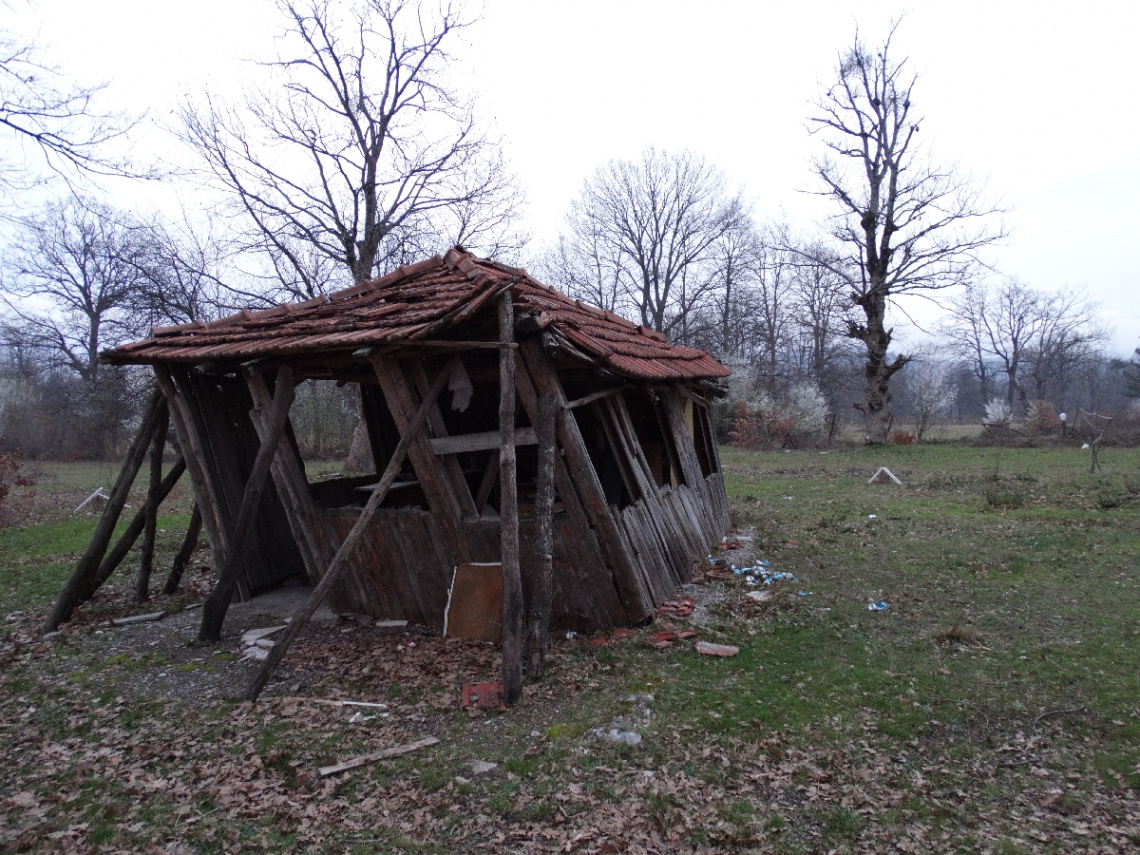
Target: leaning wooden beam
[(146, 559), (217, 532), (216, 605), (340, 560), (189, 544), (542, 577), (88, 565), (513, 605), (635, 597), (127, 539)]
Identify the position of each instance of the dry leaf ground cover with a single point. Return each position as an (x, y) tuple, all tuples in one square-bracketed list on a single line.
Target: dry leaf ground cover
[(994, 706)]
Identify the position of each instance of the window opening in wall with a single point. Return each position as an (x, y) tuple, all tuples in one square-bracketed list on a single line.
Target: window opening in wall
[(703, 438), (654, 437), (616, 483)]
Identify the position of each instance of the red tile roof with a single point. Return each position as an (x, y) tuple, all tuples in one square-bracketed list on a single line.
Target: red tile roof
[(431, 299)]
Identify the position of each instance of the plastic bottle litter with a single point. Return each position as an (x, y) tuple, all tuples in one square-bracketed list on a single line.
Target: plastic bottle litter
[(872, 516), (880, 606), (804, 593), (571, 635)]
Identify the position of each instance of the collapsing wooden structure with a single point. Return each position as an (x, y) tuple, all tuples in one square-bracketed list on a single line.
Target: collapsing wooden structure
[(638, 493)]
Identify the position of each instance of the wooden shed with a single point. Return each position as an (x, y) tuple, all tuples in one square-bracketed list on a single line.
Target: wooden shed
[(638, 489)]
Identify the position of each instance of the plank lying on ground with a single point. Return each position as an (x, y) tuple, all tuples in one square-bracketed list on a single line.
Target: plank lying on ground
[(147, 618), (365, 759)]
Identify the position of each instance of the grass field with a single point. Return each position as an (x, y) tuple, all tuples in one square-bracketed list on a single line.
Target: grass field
[(994, 706)]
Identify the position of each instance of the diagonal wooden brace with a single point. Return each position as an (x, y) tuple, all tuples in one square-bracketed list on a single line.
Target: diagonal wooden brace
[(340, 560), (216, 605)]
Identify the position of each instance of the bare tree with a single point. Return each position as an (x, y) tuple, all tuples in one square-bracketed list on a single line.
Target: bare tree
[(819, 311), (1022, 331), (653, 224), (902, 224), (60, 122), (72, 280), (364, 154)]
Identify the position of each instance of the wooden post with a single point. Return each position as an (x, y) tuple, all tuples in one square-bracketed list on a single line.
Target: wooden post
[(189, 544), (340, 560), (217, 532), (88, 565), (541, 580), (513, 606), (216, 605), (127, 540), (146, 559)]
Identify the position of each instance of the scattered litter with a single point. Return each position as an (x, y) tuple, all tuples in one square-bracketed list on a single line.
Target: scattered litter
[(571, 635), (389, 623), (716, 649), (872, 516), (359, 716), (14, 616), (626, 736), (677, 608), (883, 470), (252, 636), (483, 696), (258, 653), (482, 767), (147, 618), (880, 606), (340, 703), (804, 593), (365, 759), (759, 596), (99, 494)]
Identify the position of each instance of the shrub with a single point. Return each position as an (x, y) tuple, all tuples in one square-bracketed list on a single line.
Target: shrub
[(10, 476), (1042, 419), (758, 430)]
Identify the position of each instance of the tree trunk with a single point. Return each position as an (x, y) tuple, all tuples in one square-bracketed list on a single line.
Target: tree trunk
[(877, 372)]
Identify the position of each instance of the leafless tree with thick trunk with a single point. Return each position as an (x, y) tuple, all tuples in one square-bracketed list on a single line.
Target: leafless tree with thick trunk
[(363, 157), (902, 224)]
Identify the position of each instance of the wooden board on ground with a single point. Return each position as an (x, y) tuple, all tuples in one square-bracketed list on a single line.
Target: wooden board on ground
[(475, 603)]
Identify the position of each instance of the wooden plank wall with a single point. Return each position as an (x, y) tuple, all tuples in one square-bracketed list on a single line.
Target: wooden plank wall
[(220, 409), (402, 571)]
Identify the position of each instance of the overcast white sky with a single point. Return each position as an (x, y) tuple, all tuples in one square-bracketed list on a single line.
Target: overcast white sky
[(1040, 99)]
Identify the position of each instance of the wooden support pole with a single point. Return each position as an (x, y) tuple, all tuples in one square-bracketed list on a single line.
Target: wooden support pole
[(216, 605), (513, 605), (541, 580), (127, 539), (88, 565), (340, 560), (189, 544), (146, 558), (217, 532)]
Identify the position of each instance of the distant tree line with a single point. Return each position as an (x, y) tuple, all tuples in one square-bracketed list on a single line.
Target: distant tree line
[(356, 157)]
